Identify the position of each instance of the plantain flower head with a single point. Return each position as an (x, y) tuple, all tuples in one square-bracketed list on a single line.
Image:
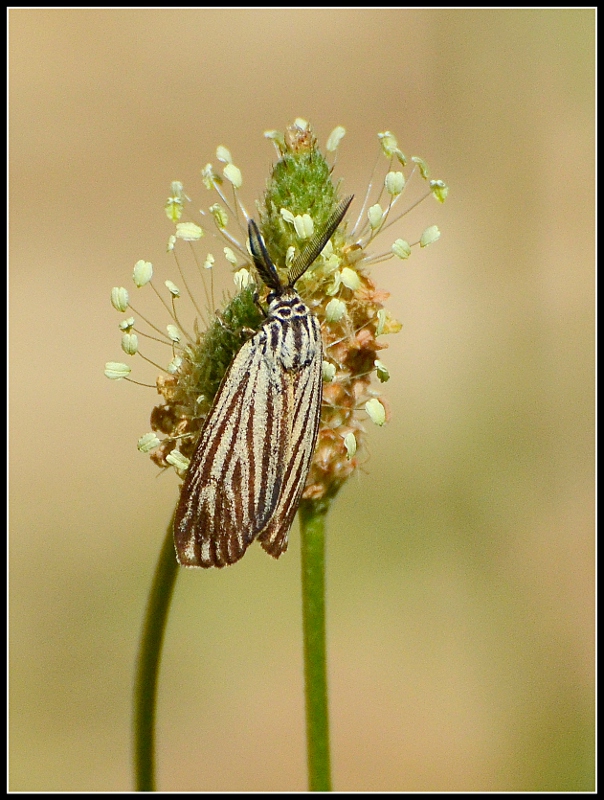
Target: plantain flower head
[(339, 288)]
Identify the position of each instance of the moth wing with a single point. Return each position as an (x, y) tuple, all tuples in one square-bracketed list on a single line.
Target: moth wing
[(301, 426), (233, 484)]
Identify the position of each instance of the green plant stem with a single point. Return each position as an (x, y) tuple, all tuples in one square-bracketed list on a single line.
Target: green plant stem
[(312, 530), (145, 688)]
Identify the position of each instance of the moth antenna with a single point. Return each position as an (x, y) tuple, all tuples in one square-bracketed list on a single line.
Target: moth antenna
[(264, 266), (318, 241)]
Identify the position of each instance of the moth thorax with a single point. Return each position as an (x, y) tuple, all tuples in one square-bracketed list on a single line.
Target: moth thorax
[(288, 305)]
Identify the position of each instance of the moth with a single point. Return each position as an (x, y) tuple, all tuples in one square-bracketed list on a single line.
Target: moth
[(253, 455)]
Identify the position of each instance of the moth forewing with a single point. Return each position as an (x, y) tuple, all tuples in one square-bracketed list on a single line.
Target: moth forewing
[(233, 482), (304, 417), (251, 462)]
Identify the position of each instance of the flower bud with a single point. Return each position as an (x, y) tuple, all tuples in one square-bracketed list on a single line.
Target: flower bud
[(177, 460), (119, 298), (350, 278), (230, 256), (429, 236), (115, 371), (335, 310), (335, 137), (381, 371), (130, 343), (242, 279), (233, 174), (376, 411), (304, 226), (188, 231), (173, 333), (401, 249), (143, 272), (329, 371), (221, 218), (423, 167), (440, 190), (222, 154), (350, 443), (375, 216), (395, 183), (147, 443)]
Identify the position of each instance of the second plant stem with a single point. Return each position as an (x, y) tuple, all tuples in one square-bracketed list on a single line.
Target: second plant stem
[(312, 532)]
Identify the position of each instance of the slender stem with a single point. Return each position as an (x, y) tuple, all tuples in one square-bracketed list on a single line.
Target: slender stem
[(145, 688), (312, 527)]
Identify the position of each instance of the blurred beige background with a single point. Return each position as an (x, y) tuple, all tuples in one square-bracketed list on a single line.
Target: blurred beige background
[(460, 563)]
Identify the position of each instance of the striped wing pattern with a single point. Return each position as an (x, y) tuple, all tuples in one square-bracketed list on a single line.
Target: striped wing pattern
[(254, 451), (306, 392)]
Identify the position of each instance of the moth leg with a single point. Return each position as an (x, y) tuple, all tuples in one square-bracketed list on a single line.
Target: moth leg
[(258, 304)]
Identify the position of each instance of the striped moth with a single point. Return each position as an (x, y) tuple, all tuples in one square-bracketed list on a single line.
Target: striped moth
[(253, 455)]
